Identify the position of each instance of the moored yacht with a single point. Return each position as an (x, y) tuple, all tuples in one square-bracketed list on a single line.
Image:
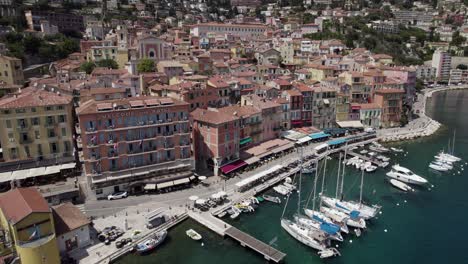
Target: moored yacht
[(303, 235), (351, 220), (322, 218), (405, 175), (330, 230), (365, 211)]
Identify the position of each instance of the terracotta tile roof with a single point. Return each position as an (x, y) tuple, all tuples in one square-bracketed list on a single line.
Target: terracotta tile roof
[(124, 104), (106, 71), (240, 111), (21, 202), (218, 82), (31, 97), (389, 91), (68, 217), (212, 117)]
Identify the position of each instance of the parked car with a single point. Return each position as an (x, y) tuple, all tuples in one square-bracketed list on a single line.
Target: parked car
[(117, 195)]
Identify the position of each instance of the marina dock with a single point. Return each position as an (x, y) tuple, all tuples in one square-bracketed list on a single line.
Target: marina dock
[(267, 251), (222, 228), (365, 158)]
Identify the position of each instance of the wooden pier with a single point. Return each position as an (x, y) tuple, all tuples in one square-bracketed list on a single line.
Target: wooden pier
[(246, 240)]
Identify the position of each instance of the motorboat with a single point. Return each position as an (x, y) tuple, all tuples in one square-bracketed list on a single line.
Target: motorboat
[(303, 235), (371, 168), (363, 151), (151, 243), (396, 149), (348, 207), (290, 186), (329, 252), (350, 220), (437, 167), (281, 189), (400, 185), (383, 158), (331, 230), (222, 214), (447, 156), (371, 154), (234, 215), (322, 218), (384, 164), (405, 175), (273, 199), (308, 170), (447, 165), (193, 234)]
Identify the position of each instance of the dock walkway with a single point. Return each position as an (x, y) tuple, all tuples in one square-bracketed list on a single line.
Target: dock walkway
[(267, 251)]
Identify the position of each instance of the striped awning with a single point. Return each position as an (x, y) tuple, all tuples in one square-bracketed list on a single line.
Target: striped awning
[(150, 186), (181, 181), (165, 184)]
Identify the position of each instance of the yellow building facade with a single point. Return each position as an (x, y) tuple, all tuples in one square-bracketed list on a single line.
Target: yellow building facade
[(28, 226), (36, 124), (11, 70)]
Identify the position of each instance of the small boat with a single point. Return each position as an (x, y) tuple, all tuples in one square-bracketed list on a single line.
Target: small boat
[(281, 190), (331, 230), (222, 214), (272, 199), (234, 215), (383, 158), (363, 151), (260, 199), (384, 164), (371, 168), (329, 252), (291, 187), (400, 185), (193, 234), (437, 167), (443, 164), (308, 170), (371, 154), (150, 244), (447, 156), (396, 149)]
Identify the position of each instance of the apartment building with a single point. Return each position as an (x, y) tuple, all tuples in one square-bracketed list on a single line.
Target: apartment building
[(11, 70), (391, 104), (238, 30), (324, 107), (131, 142), (64, 21), (215, 139), (441, 61), (37, 128)]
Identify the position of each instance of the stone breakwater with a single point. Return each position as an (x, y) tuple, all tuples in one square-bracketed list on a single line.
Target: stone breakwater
[(423, 125)]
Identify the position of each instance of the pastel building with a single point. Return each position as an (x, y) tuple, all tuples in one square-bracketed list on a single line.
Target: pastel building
[(131, 142)]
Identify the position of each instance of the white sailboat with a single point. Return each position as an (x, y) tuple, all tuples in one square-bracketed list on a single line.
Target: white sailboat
[(325, 223), (403, 174), (437, 167), (332, 231), (308, 236), (338, 216)]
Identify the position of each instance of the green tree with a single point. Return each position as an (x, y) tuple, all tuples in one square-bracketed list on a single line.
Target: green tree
[(108, 63), (87, 67), (462, 67), (457, 40), (145, 65), (419, 85)]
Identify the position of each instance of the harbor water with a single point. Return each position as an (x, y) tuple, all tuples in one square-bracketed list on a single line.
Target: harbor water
[(425, 226)]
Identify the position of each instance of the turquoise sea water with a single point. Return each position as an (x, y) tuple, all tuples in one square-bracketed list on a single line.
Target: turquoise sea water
[(427, 228)]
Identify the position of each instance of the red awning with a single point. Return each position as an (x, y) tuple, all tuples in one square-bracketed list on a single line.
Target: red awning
[(233, 166), (296, 122)]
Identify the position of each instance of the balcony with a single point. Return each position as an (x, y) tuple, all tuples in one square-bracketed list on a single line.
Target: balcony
[(149, 123)]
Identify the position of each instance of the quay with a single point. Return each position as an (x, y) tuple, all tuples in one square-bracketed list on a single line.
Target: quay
[(365, 158), (129, 248)]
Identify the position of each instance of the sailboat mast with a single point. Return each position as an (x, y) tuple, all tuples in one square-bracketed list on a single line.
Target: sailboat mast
[(338, 176), (448, 147), (323, 182), (300, 183), (453, 142), (362, 184), (342, 176), (315, 186)]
